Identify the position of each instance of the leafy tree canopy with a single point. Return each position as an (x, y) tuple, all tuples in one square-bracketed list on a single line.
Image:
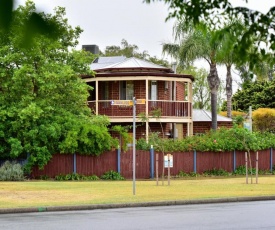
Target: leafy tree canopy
[(260, 25), (129, 50), (43, 99), (258, 94)]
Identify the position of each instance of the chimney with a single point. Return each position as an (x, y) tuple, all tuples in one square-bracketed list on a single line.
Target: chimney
[(91, 48)]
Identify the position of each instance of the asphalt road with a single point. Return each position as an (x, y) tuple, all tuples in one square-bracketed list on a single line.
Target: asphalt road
[(241, 215)]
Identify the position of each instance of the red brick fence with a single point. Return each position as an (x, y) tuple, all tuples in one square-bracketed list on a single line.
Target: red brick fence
[(146, 164)]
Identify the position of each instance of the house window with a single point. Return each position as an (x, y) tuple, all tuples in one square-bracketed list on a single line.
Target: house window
[(105, 93), (153, 91), (92, 96), (105, 90), (126, 90)]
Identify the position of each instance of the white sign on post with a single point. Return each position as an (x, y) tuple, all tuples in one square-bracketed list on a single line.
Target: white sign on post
[(168, 160)]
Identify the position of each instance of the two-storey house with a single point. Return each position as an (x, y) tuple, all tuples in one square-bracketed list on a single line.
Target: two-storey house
[(119, 79)]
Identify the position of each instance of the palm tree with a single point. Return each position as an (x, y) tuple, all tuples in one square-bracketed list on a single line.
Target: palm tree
[(229, 36), (193, 43)]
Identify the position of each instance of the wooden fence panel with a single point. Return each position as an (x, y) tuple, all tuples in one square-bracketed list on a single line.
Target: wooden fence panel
[(240, 158), (96, 165), (142, 164), (217, 160), (126, 164), (183, 161), (59, 164), (263, 160)]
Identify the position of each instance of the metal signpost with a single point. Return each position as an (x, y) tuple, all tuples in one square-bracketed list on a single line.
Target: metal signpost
[(132, 103), (134, 146)]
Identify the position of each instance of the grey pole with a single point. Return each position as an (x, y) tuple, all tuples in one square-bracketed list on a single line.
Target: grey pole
[(250, 117), (134, 146)]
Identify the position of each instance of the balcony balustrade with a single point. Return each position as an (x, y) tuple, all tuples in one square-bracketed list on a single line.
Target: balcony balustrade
[(168, 108)]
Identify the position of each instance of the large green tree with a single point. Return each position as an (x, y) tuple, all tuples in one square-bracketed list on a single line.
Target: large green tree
[(43, 107)]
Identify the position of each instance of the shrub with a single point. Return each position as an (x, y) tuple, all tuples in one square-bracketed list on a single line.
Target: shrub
[(11, 171), (184, 174), (75, 176), (112, 175), (142, 144), (264, 119), (216, 172), (91, 177), (221, 140), (44, 177), (242, 171)]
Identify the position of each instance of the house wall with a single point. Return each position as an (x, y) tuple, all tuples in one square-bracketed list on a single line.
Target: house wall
[(202, 127), (180, 91)]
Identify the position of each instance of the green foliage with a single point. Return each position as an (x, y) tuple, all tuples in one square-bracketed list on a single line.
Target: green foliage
[(112, 175), (34, 25), (222, 140), (76, 176), (215, 12), (44, 177), (242, 171), (201, 95), (264, 120), (11, 171), (258, 94), (43, 99), (184, 174), (142, 144), (216, 172), (129, 50), (125, 137)]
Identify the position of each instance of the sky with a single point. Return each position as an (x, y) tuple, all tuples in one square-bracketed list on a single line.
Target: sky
[(107, 22)]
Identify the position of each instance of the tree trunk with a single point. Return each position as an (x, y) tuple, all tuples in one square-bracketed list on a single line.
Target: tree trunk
[(214, 83), (229, 90)]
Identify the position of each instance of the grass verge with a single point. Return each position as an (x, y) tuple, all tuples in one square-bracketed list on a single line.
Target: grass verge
[(52, 193)]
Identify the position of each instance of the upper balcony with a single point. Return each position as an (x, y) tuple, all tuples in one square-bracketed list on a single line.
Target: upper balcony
[(168, 109)]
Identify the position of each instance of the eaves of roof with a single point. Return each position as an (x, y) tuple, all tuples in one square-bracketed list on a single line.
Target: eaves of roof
[(133, 74)]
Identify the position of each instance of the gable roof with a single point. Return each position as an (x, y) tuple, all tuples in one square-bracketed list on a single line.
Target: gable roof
[(204, 115)]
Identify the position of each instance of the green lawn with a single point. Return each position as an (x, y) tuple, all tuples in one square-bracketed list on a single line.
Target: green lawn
[(53, 193)]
